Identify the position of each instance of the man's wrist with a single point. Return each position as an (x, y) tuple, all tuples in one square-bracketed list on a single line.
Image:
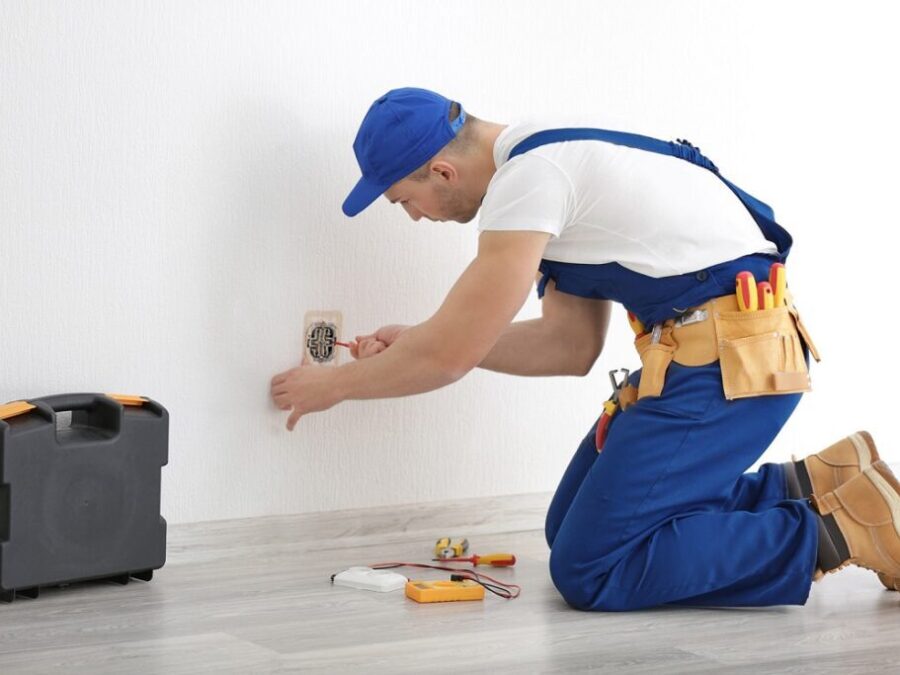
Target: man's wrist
[(343, 382)]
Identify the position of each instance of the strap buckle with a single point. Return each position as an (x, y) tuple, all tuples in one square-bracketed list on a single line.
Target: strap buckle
[(696, 316)]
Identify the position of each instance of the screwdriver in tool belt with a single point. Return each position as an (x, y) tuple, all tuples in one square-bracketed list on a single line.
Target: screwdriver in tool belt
[(494, 559), (778, 281), (746, 291), (766, 298)]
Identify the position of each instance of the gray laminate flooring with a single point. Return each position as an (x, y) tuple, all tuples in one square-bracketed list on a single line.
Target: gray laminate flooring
[(253, 596)]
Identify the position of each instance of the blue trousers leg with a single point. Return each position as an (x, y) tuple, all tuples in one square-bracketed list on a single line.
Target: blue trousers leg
[(758, 490), (753, 491), (666, 514)]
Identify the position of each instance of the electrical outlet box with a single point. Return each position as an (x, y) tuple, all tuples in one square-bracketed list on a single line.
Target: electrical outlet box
[(321, 331)]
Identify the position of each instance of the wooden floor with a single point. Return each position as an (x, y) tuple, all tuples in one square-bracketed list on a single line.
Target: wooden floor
[(253, 596)]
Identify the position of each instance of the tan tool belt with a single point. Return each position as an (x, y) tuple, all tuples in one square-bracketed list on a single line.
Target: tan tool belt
[(760, 351)]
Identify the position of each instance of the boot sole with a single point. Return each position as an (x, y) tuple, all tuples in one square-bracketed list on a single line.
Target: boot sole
[(893, 500)]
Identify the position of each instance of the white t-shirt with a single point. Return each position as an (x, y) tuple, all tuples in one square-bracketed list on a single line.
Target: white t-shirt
[(654, 214)]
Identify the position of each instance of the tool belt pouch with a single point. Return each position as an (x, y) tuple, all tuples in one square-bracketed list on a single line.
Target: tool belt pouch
[(760, 352), (655, 360), (627, 396)]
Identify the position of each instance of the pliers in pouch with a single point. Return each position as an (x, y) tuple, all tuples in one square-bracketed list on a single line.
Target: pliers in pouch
[(609, 407)]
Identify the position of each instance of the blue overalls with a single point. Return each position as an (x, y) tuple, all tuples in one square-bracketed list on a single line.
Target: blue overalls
[(666, 513)]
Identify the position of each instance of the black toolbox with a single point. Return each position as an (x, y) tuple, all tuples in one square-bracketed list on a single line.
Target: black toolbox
[(80, 490)]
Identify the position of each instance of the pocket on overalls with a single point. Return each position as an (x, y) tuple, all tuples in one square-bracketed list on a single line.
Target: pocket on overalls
[(760, 353), (655, 361)]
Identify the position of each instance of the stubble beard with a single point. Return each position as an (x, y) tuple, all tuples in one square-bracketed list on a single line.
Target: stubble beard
[(456, 206)]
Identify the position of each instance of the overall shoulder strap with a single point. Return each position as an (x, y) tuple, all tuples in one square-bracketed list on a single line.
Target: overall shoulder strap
[(762, 213)]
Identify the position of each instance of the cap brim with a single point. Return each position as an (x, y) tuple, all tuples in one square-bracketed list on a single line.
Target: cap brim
[(362, 195)]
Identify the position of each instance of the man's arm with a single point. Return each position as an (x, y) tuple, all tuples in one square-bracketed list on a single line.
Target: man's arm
[(462, 332), (566, 340)]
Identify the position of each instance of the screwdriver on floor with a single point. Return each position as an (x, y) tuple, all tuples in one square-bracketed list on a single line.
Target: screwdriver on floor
[(494, 559)]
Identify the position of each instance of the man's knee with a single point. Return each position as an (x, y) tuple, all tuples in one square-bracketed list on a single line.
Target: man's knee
[(578, 583), (568, 581), (582, 587)]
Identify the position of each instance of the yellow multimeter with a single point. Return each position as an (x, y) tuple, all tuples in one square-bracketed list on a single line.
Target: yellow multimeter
[(444, 591)]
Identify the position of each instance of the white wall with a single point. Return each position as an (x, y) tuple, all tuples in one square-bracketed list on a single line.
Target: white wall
[(171, 175)]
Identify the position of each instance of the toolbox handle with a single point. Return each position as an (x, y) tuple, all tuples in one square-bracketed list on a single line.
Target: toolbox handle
[(95, 410), (65, 402)]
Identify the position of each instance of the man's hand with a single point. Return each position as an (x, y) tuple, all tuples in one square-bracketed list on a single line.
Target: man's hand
[(369, 345), (438, 351), (306, 389)]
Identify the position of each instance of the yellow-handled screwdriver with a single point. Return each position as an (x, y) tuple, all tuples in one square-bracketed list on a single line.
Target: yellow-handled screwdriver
[(766, 298)]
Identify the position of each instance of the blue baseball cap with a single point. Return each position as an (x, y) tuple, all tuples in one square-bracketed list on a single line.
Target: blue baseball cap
[(402, 130)]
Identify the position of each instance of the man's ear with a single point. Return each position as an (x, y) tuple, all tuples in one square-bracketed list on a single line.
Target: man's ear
[(444, 170)]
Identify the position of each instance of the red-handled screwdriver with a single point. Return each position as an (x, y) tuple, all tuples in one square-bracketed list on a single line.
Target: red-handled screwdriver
[(494, 559), (747, 292), (778, 281)]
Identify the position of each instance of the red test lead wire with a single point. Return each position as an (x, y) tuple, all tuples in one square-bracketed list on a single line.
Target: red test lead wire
[(513, 590)]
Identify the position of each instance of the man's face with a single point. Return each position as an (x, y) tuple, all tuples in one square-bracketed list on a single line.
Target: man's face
[(434, 198)]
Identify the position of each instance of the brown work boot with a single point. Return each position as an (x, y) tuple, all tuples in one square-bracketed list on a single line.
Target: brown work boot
[(823, 472), (860, 524)]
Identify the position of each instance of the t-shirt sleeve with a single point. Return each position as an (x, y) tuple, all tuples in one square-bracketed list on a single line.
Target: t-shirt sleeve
[(530, 193)]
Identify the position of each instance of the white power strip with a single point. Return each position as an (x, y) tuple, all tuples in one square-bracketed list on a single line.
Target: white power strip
[(368, 579)]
